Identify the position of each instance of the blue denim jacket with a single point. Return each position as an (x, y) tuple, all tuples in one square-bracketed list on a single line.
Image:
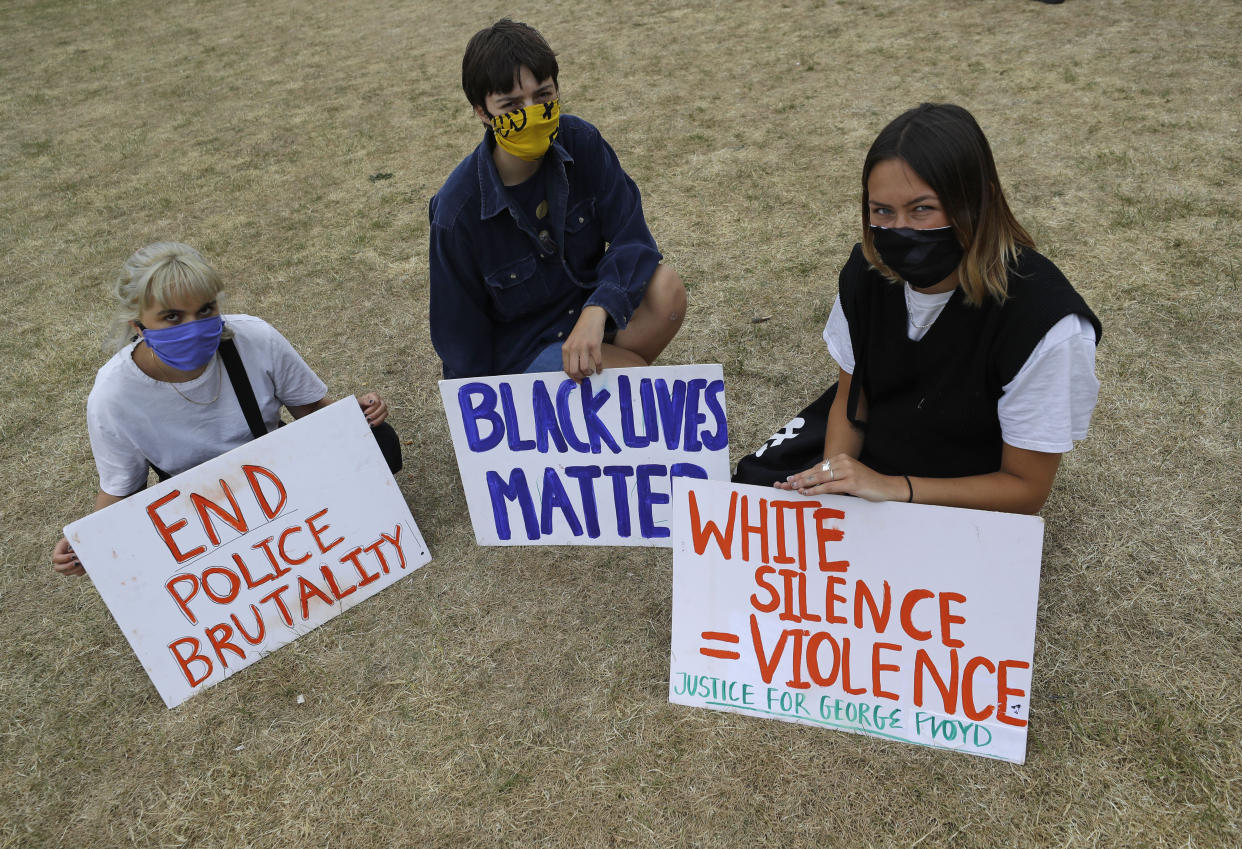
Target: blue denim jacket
[(500, 294)]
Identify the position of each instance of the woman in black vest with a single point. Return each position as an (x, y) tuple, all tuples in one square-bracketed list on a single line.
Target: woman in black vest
[(966, 358)]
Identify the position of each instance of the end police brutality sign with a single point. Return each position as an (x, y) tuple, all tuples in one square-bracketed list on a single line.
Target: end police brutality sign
[(546, 461), (217, 567)]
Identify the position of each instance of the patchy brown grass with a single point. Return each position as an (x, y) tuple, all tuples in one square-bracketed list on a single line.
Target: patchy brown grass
[(517, 697)]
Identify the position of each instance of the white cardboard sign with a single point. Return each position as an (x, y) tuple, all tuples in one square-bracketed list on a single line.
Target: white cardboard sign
[(900, 621), (217, 567), (546, 461)]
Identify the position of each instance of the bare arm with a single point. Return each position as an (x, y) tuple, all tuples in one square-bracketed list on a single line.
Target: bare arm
[(373, 407), (300, 410), (1021, 485), (64, 560), (840, 437), (103, 499)]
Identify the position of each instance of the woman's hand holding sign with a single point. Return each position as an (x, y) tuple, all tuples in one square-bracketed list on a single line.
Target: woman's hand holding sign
[(1019, 486), (153, 405), (65, 561), (842, 473), (374, 408)]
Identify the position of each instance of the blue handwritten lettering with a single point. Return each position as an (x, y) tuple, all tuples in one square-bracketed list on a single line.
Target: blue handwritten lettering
[(567, 422), (586, 475), (555, 497), (516, 489), (596, 429), (672, 404), (545, 420), (621, 496), (648, 498), (719, 439), (687, 470), (693, 417), (512, 433), (486, 409), (629, 434)]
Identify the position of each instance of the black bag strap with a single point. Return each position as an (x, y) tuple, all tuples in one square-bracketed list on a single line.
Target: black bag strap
[(385, 436), (242, 388)]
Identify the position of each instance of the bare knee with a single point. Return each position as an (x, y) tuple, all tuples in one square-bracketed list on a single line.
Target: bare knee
[(614, 356), (666, 295), (658, 317)]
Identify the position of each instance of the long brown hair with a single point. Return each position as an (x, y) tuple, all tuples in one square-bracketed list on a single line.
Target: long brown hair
[(945, 146)]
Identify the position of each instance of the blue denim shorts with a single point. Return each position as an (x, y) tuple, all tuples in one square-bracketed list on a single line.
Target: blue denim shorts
[(549, 359)]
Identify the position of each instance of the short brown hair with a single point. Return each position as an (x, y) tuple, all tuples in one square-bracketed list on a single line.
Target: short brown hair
[(496, 54)]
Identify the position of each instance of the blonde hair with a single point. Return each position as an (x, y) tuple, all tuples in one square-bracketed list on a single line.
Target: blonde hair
[(945, 146), (158, 274)]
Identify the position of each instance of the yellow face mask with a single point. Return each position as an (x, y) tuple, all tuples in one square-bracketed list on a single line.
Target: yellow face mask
[(527, 133)]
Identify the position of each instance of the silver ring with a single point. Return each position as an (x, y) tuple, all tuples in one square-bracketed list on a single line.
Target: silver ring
[(827, 467)]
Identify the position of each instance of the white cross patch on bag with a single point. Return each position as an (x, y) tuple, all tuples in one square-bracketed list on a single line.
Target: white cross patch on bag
[(789, 431)]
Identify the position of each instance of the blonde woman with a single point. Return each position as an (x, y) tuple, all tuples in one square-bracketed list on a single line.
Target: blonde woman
[(171, 397)]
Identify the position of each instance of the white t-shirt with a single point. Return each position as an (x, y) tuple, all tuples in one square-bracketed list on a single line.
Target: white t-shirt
[(134, 419), (1048, 403)]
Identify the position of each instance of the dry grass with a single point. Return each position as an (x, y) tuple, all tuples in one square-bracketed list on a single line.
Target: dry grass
[(517, 697)]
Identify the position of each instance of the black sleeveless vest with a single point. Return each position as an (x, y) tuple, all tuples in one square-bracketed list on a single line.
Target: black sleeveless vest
[(931, 404)]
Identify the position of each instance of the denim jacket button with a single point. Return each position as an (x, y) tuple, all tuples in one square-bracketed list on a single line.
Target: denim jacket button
[(513, 277), (560, 334)]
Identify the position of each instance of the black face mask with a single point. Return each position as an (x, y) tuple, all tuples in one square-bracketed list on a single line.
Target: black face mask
[(920, 257)]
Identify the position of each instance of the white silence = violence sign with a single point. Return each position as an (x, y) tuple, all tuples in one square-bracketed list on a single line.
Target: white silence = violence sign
[(900, 621)]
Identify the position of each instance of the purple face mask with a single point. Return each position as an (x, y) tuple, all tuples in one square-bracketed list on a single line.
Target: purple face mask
[(186, 346)]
